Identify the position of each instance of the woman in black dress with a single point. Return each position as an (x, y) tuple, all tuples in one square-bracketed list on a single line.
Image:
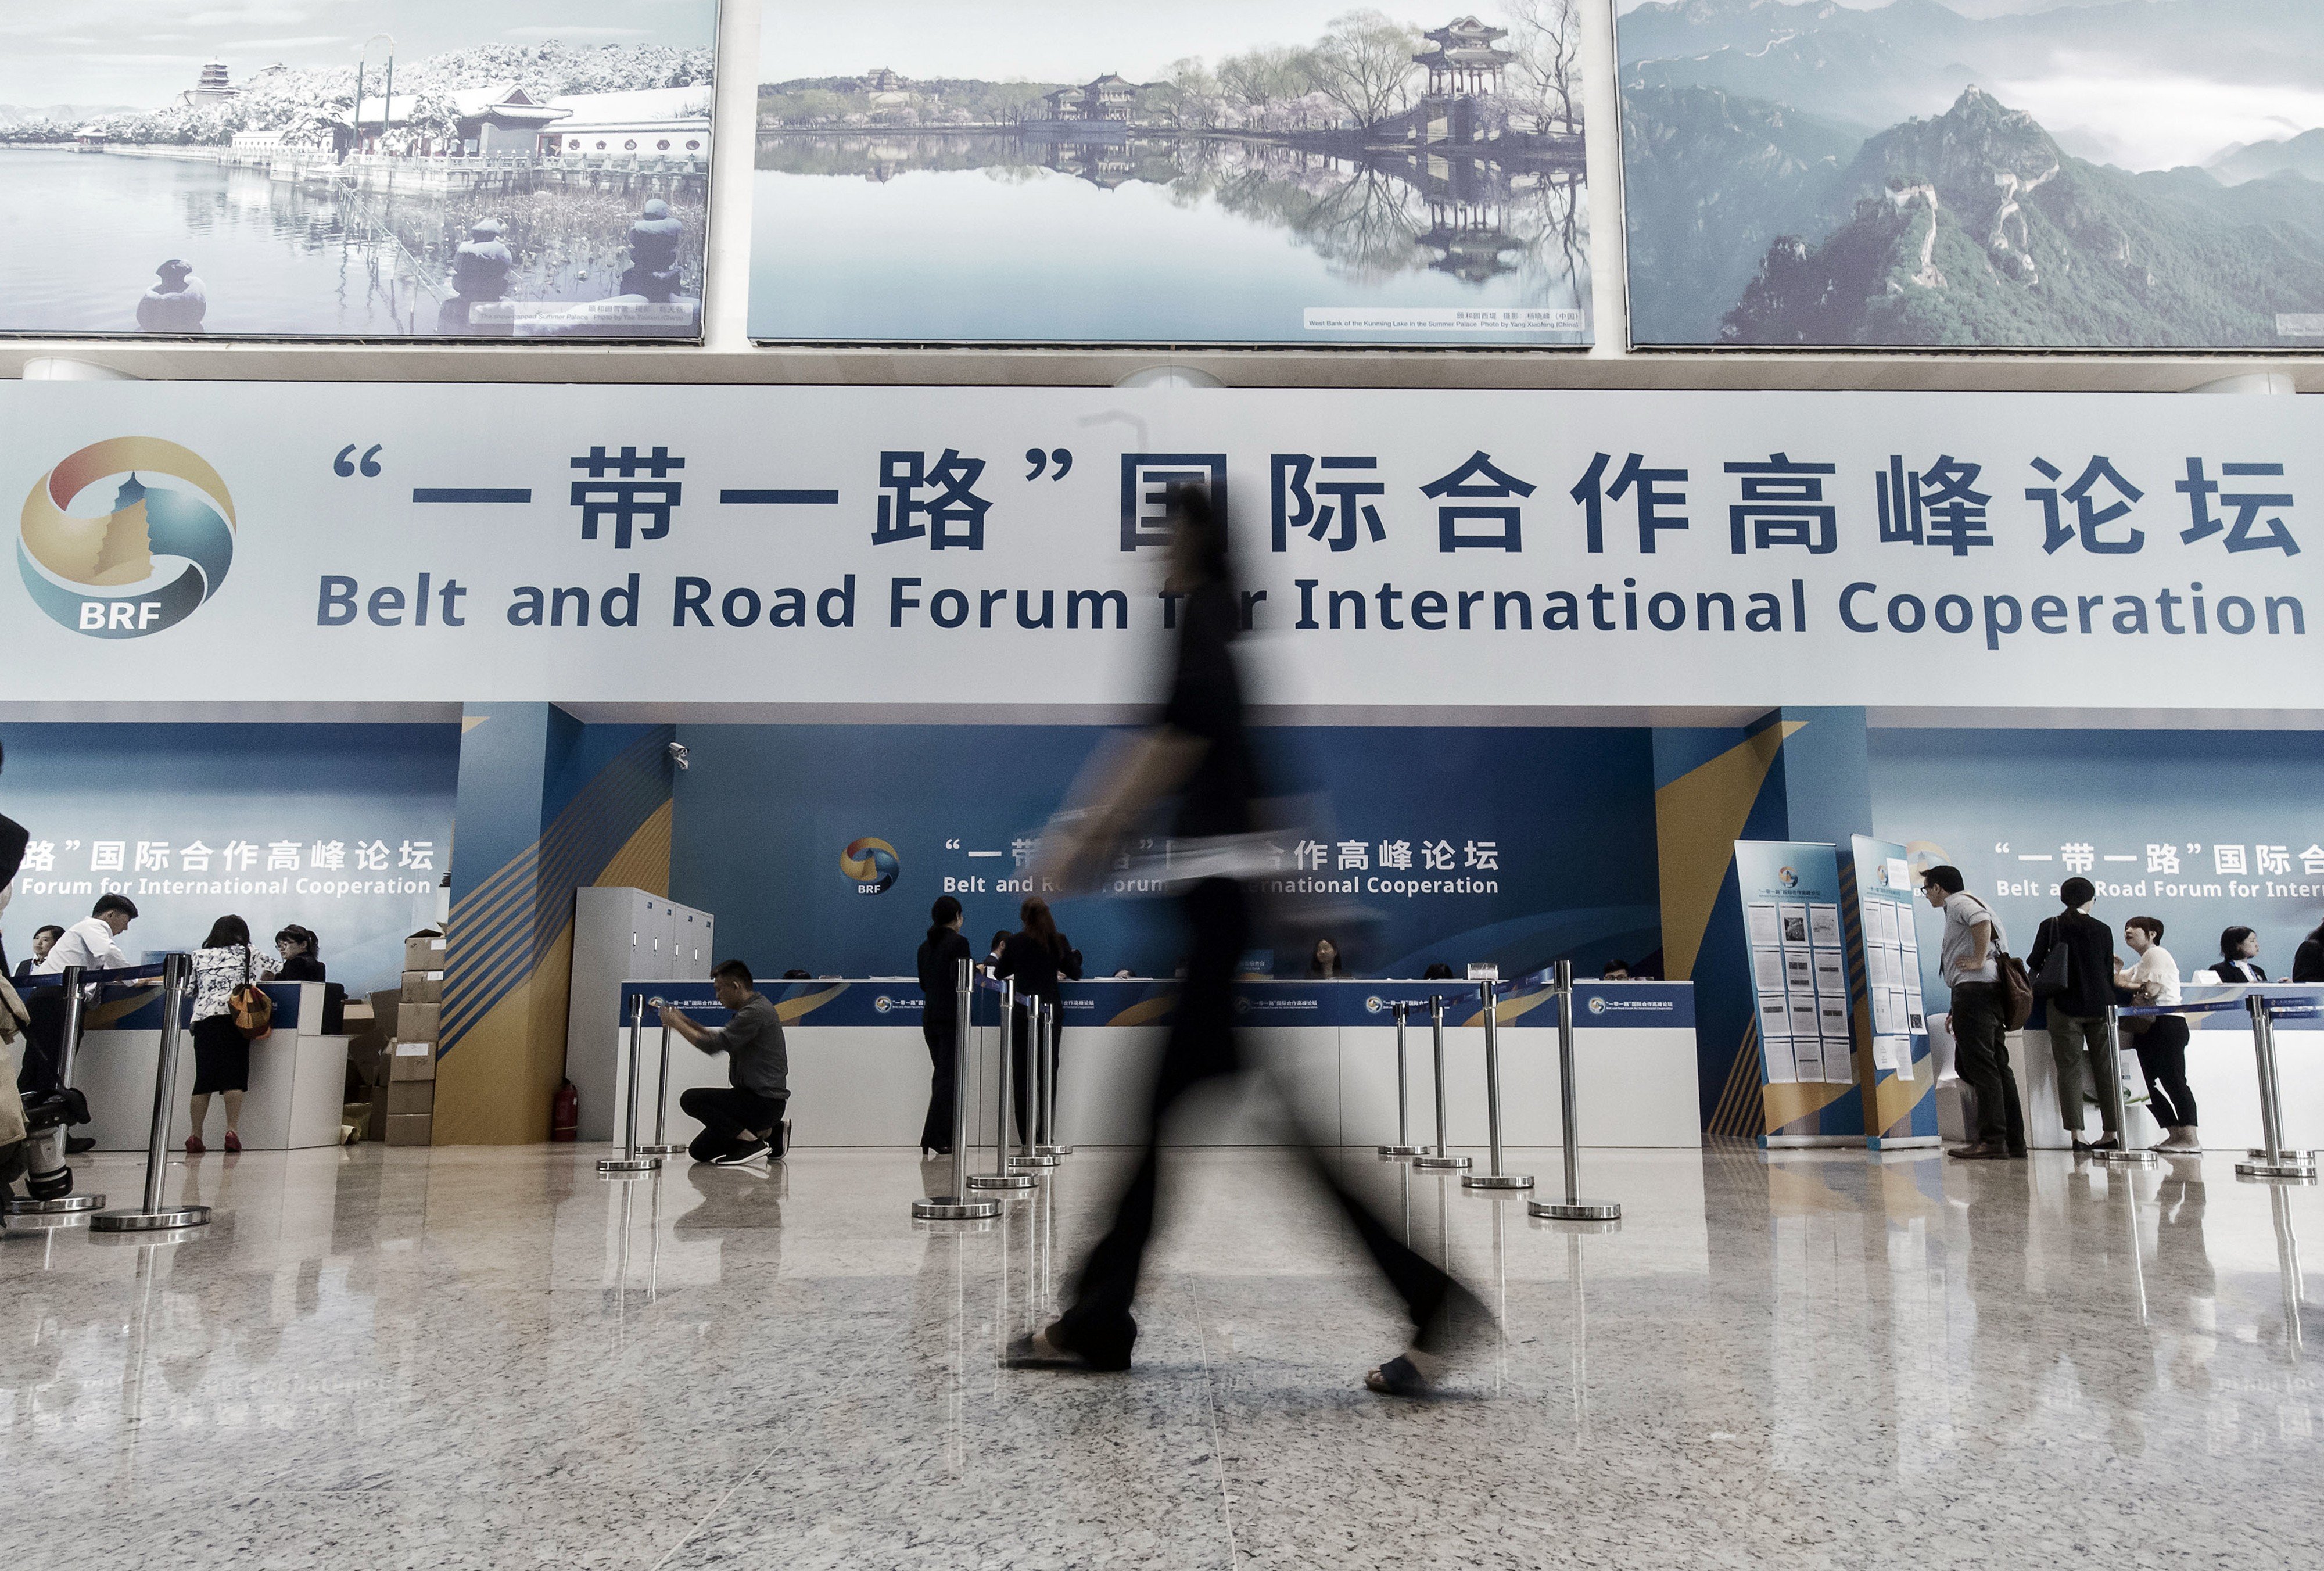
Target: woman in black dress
[(227, 960)]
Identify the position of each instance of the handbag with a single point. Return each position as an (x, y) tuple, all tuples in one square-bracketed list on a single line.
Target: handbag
[(2009, 974), (253, 1011), (2057, 973)]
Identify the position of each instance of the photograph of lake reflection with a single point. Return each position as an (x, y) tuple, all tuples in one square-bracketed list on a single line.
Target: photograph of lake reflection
[(1268, 171), (356, 169)]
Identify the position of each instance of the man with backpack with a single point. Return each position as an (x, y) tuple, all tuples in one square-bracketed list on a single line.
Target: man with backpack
[(1971, 956)]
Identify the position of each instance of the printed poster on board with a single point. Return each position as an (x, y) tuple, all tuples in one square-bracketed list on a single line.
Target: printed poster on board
[(1974, 173), (1892, 1026), (1791, 920), (1282, 171), (394, 168)]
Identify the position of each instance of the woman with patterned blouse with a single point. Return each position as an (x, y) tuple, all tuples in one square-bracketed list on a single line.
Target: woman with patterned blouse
[(225, 960)]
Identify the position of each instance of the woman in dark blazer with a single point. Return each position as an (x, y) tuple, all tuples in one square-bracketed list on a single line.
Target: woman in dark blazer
[(2239, 957), (941, 953), (2307, 960), (1035, 957)]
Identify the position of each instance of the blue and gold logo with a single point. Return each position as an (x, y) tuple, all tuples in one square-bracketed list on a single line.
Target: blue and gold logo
[(153, 558), (871, 863)]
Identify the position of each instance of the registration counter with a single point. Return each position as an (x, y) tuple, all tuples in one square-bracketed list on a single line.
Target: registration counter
[(298, 1075), (860, 1067)]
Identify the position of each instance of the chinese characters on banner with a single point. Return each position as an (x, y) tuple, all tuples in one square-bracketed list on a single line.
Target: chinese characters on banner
[(840, 545)]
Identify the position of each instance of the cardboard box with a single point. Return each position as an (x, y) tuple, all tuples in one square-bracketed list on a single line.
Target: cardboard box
[(411, 1129), (424, 952), (410, 1061), (423, 988), (409, 1097), (418, 1022)]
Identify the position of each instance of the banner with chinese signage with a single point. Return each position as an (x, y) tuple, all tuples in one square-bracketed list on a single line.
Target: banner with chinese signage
[(1277, 171), (1889, 1022), (1401, 549), (399, 169), (1974, 173), (1791, 892)]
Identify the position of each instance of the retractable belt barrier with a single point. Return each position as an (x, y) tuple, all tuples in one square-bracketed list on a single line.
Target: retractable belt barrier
[(2271, 1160), (1003, 1175), (957, 1205), (630, 1164), (1573, 1208), (153, 1216), (661, 1146)]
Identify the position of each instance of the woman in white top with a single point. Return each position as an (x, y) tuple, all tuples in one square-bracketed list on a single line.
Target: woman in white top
[(2162, 1046), (225, 960)]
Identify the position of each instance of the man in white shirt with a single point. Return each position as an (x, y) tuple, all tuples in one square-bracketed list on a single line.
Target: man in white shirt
[(1981, 1014), (2153, 979), (90, 944)]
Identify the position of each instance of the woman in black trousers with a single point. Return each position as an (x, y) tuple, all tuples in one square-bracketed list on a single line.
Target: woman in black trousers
[(1035, 958), (941, 953)]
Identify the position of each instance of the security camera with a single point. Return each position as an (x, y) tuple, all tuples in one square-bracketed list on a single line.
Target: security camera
[(678, 754)]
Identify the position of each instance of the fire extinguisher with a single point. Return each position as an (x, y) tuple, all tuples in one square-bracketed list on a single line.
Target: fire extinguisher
[(565, 1114)]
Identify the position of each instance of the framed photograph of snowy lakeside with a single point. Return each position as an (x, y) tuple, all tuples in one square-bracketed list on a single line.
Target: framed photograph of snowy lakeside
[(1976, 174), (1213, 172), (405, 169)]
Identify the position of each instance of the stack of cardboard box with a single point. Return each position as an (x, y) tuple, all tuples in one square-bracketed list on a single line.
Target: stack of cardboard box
[(411, 1062)]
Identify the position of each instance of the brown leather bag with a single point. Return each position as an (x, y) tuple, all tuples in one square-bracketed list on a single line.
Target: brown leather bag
[(2009, 974), (253, 1011)]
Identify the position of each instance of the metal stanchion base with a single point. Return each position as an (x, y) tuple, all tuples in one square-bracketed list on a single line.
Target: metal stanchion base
[(1040, 1159), (954, 1209), (1003, 1181), (661, 1150), (2297, 1172), (162, 1221), (627, 1167), (1053, 1151), (63, 1205), (1404, 1150), (2144, 1158), (1497, 1181), (1442, 1164), (1575, 1210), (2258, 1155)]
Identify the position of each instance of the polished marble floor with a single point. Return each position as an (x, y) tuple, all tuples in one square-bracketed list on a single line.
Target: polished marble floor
[(485, 1357)]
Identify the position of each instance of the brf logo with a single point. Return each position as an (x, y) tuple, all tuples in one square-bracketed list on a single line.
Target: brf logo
[(159, 551), (871, 862)]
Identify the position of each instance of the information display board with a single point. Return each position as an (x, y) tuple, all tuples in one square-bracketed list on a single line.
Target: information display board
[(1891, 1024), (1790, 893)]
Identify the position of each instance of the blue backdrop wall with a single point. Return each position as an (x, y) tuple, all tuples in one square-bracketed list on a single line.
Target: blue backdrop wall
[(344, 829), (1544, 843), (2203, 829)]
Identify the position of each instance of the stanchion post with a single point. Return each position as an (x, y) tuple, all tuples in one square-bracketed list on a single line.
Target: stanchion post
[(2274, 1161), (1440, 1159), (2123, 1151), (1050, 1145), (958, 1205), (662, 1146), (1496, 1179), (153, 1216), (1573, 1208), (630, 1164), (1000, 1177), (63, 1204), (1402, 1010), (1032, 1154)]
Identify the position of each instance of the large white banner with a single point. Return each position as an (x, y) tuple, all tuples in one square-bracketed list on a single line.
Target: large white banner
[(208, 541)]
